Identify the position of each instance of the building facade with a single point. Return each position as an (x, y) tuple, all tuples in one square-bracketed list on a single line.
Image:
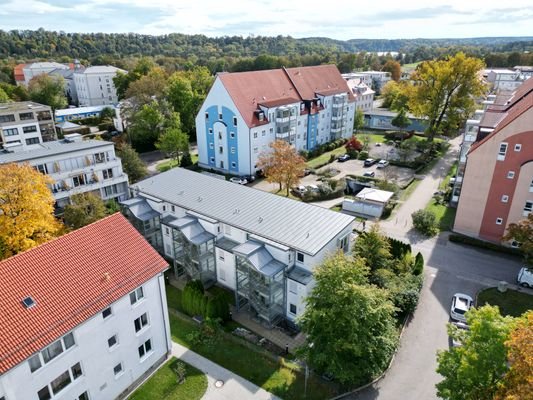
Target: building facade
[(364, 95), (39, 68), (504, 79), (497, 186), (246, 111), (381, 118), (25, 123), (88, 325), (95, 87), (73, 114), (76, 166), (261, 246)]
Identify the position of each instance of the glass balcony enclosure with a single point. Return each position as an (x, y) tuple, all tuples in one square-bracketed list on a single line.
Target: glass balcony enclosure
[(145, 219)]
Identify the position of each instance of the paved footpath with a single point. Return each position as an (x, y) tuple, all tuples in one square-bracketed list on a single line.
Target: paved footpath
[(234, 388)]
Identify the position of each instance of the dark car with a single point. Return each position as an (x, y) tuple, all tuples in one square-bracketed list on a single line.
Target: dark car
[(344, 157), (369, 162)]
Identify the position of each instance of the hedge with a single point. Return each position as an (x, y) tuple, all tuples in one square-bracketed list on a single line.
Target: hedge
[(398, 248), (457, 238), (418, 266)]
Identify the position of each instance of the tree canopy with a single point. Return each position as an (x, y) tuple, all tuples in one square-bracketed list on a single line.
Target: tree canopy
[(26, 209), (282, 164), (49, 90), (84, 209), (522, 232), (133, 166)]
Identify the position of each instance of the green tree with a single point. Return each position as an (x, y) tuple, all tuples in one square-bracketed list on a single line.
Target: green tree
[(4, 98), (132, 163), (394, 68), (522, 232), (49, 90), (84, 209), (445, 90), (374, 248), (358, 120), (425, 222), (401, 120), (473, 371), (349, 324), (173, 141)]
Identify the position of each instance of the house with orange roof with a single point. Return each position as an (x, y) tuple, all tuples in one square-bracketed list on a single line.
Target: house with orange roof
[(494, 187), (246, 111), (84, 316)]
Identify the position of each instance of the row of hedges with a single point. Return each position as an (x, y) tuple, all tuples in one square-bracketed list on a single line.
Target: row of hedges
[(328, 189), (457, 238), (399, 135), (195, 302), (323, 148)]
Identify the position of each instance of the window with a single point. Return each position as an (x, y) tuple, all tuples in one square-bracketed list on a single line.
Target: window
[(221, 255), (173, 208), (502, 151), (234, 121), (167, 231), (35, 363), (108, 173), (300, 257), (136, 295), (29, 129), (145, 348), (32, 141), (263, 133), (10, 132), (106, 313), (220, 116), (164, 208), (528, 207), (60, 382), (293, 287), (206, 115), (52, 351), (255, 135), (210, 131), (44, 393), (505, 198), (112, 341), (219, 135), (68, 340), (211, 145), (117, 369), (140, 322), (76, 371), (233, 150), (233, 164), (212, 159), (271, 130), (79, 180), (232, 135), (7, 118), (531, 186), (292, 309), (100, 158), (220, 150), (343, 244), (499, 221), (510, 175), (26, 116), (517, 147), (42, 168), (83, 396)]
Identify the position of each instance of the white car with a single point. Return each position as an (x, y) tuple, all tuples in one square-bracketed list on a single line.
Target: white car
[(300, 190), (525, 277), (239, 180), (461, 303), (313, 188), (383, 164)]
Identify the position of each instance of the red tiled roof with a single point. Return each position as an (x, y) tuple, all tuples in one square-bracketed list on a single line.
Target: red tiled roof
[(71, 279), (19, 73), (249, 89)]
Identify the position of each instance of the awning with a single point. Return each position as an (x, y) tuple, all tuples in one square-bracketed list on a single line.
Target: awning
[(140, 208), (259, 257), (193, 231)]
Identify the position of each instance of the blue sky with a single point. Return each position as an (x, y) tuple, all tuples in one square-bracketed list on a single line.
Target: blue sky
[(340, 19)]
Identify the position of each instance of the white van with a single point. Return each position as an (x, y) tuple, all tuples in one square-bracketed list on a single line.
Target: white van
[(525, 277)]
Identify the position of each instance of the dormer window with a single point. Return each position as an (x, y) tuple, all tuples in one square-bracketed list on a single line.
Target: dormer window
[(261, 116)]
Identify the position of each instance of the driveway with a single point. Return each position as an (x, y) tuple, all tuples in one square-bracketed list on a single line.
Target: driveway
[(450, 268)]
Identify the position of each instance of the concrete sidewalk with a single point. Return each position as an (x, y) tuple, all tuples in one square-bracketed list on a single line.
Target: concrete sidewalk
[(234, 388)]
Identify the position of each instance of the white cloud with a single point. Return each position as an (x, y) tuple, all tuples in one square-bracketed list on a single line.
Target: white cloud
[(342, 19)]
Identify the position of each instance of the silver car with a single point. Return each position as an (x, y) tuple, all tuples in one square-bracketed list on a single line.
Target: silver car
[(461, 303)]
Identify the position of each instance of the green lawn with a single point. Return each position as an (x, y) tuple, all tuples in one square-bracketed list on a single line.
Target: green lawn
[(169, 164), (510, 303), (174, 297), (373, 137), (445, 215), (163, 384), (323, 159)]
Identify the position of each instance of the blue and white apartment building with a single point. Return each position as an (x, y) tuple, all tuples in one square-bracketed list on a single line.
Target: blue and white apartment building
[(246, 111)]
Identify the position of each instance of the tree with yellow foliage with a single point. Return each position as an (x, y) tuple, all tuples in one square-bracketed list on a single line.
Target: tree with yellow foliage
[(26, 209), (282, 165), (518, 382)]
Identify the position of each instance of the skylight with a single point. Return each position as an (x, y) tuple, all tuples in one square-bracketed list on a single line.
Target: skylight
[(28, 302)]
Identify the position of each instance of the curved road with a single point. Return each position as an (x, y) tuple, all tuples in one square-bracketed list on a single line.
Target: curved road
[(450, 268)]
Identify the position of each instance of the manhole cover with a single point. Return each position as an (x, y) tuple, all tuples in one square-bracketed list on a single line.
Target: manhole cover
[(219, 384)]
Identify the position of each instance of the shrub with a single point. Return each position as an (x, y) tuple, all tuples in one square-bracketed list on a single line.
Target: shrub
[(398, 248), (193, 298), (425, 222), (404, 289), (329, 189), (363, 155), (418, 266), (218, 308), (331, 158), (186, 160), (353, 146)]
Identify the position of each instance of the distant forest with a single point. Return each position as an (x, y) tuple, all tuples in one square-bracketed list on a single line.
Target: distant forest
[(235, 53)]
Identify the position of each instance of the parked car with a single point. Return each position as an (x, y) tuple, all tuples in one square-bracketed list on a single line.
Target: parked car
[(344, 157), (300, 190), (461, 303), (525, 277), (369, 162), (238, 179), (383, 164), (369, 174), (462, 326), (313, 188)]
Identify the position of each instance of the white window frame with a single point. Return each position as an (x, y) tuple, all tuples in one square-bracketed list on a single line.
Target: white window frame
[(505, 198), (510, 175), (112, 346), (137, 295), (142, 325), (517, 147), (499, 221), (146, 352), (296, 309), (528, 207), (119, 373), (501, 154), (110, 313)]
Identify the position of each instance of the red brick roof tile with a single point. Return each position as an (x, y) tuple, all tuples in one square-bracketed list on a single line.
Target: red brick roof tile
[(71, 279)]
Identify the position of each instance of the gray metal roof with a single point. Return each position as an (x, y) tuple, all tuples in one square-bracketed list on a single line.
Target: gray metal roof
[(47, 149), (192, 230), (140, 208), (300, 275), (260, 258), (304, 227), (226, 244)]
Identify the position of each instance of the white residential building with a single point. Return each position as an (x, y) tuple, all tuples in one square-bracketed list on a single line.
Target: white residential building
[(375, 79), (38, 68), (24, 124), (76, 166), (504, 79), (84, 316), (364, 95), (95, 87), (262, 246), (246, 111)]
